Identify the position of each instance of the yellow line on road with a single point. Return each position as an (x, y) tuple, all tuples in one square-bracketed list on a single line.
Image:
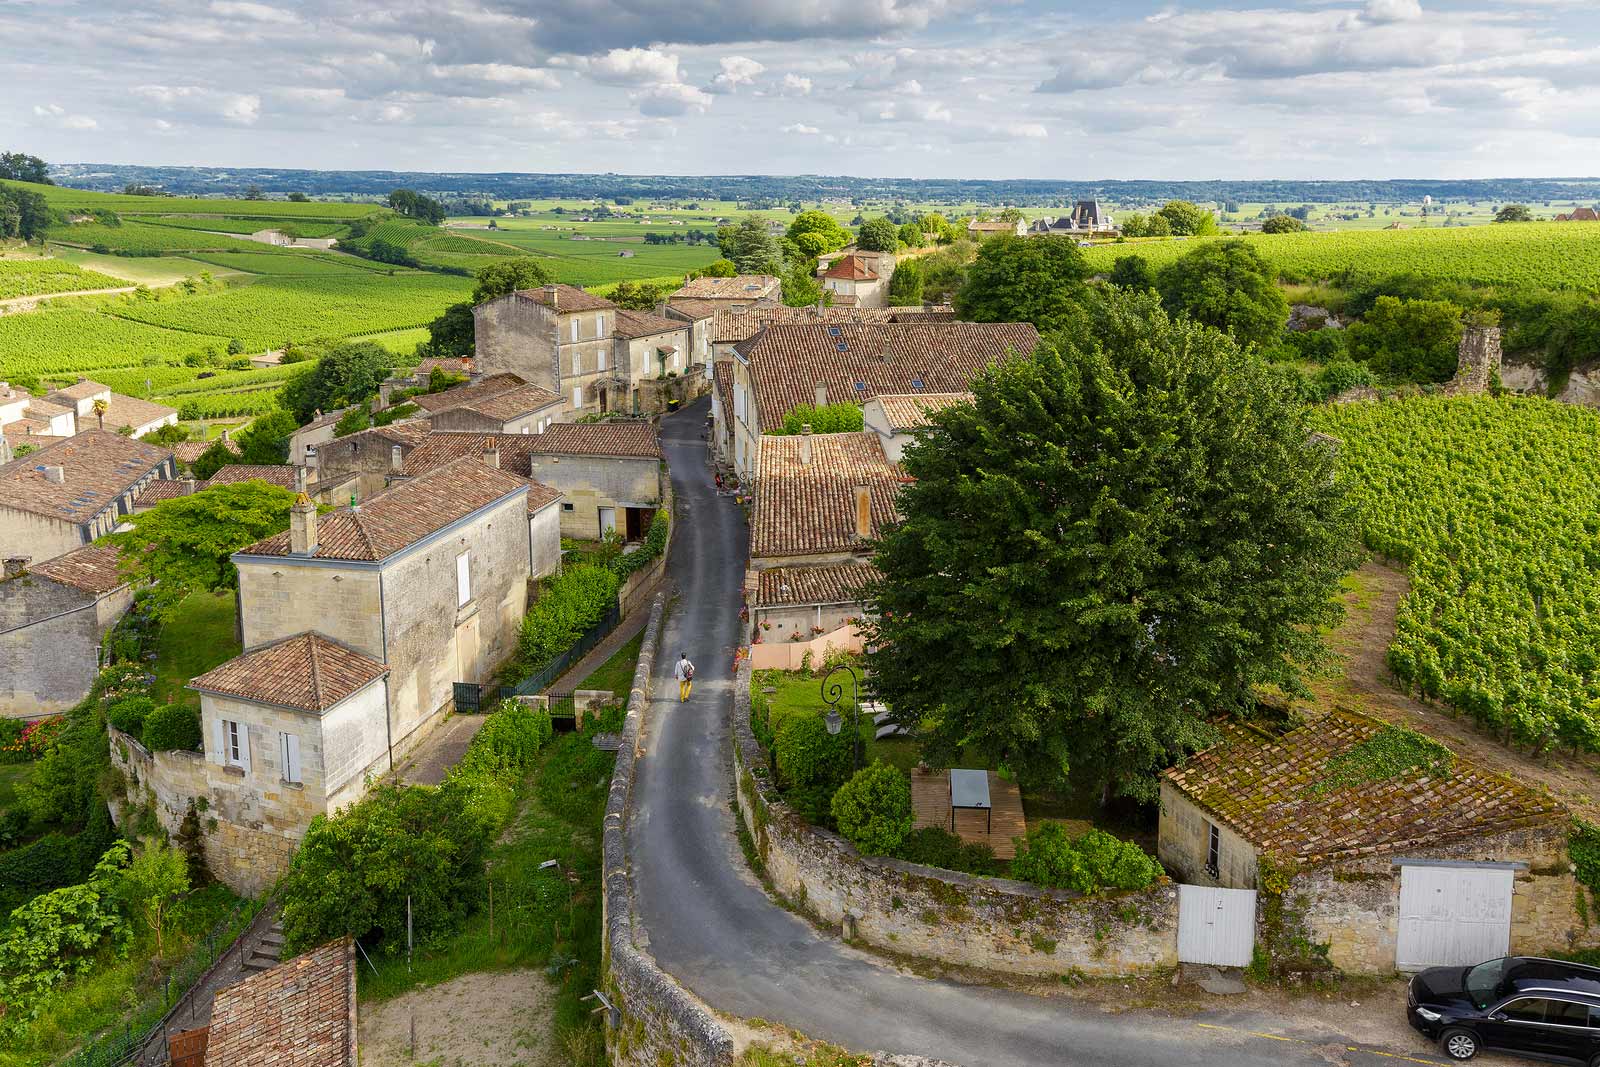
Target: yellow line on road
[(1303, 1041)]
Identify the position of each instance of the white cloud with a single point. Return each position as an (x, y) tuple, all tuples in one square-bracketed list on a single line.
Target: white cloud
[(631, 66), (661, 101), (498, 74), (736, 71), (1032, 130), (242, 108), (1392, 11), (244, 9), (795, 85), (802, 129)]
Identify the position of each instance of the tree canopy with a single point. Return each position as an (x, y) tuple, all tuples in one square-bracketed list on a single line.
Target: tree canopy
[(509, 275), (750, 248), (413, 204), (1409, 340), (1187, 219), (1122, 537), (21, 167), (1024, 279), (639, 296), (826, 233), (878, 235), (1226, 284), (1132, 272), (452, 333), (181, 546), (348, 374), (1514, 213), (1283, 224), (23, 213)]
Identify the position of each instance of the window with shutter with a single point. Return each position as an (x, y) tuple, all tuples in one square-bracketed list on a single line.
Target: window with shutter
[(574, 327), (290, 757), (463, 579)]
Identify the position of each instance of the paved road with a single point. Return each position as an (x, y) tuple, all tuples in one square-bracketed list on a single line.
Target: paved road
[(712, 926)]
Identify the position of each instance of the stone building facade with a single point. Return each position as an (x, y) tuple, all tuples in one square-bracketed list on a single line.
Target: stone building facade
[(67, 494), (52, 620)]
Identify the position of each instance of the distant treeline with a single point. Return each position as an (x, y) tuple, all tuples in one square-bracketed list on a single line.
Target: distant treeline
[(203, 181)]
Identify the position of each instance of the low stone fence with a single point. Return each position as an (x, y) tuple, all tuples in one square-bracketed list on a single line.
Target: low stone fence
[(989, 923), (660, 1022)]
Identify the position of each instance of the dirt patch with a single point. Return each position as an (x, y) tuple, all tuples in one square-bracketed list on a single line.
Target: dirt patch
[(498, 1019), (1367, 685)]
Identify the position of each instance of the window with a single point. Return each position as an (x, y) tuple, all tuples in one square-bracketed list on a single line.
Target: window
[(574, 327), (599, 324), (566, 505), (577, 396), (1566, 1013), (577, 363), (463, 579), (289, 757), (738, 402), (602, 361), (233, 743), (1213, 850), (1526, 1010)]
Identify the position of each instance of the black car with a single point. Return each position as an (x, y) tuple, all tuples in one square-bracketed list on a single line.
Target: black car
[(1543, 1008)]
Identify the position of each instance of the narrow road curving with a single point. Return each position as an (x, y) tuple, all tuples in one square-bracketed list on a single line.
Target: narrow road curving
[(712, 926)]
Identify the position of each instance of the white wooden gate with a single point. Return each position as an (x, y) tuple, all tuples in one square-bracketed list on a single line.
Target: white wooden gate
[(1216, 926), (1452, 916)]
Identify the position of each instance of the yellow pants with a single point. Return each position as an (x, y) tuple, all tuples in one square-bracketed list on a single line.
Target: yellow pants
[(683, 689)]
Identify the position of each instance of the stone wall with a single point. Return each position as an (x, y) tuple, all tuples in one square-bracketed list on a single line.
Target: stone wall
[(687, 387), (50, 642), (659, 1022), (989, 923), (1184, 844), (515, 334), (590, 483)]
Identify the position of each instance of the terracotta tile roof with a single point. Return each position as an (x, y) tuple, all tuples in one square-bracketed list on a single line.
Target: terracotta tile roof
[(301, 1013), (857, 361), (851, 268), (327, 418), (307, 672), (189, 451), (907, 411), (44, 409), (131, 411), (403, 514), (740, 324), (513, 403), (163, 489), (25, 427), (722, 381), (82, 390), (404, 432), (460, 395), (1277, 794), (92, 568), (796, 586), (450, 365), (566, 298), (278, 474), (634, 324), (100, 466), (515, 449), (541, 496), (810, 508), (739, 287), (626, 438), (691, 308)]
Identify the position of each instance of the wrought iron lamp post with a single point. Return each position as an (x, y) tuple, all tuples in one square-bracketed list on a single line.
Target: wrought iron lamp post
[(832, 692)]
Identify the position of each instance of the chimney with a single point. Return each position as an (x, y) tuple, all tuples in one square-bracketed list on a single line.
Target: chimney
[(397, 459), (863, 512), (227, 435), (5, 448), (821, 303), (555, 295), (299, 479), (14, 565), (805, 445), (492, 456), (189, 486), (56, 474), (821, 394), (303, 526)]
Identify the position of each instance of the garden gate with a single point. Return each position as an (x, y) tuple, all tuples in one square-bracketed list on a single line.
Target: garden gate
[(1216, 926)]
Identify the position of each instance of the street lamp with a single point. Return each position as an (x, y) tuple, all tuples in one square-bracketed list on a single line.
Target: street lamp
[(832, 692)]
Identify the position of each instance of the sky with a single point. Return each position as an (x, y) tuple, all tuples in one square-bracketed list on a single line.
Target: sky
[(877, 88)]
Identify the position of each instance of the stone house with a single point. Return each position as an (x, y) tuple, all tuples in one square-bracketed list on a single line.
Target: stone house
[(52, 619), (859, 279), (23, 415), (722, 412), (730, 328), (578, 345), (742, 290), (373, 456), (313, 435), (786, 365), (1445, 863), (896, 417), (138, 416), (1087, 217), (67, 494), (983, 229), (525, 409), (819, 499), (1579, 214), (699, 314)]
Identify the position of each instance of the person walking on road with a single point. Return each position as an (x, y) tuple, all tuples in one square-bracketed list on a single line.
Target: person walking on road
[(684, 672)]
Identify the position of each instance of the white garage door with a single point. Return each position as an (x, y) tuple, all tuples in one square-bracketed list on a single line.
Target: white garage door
[(1453, 916), (1216, 926)]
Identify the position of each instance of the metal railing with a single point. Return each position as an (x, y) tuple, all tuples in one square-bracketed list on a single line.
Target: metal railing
[(562, 663)]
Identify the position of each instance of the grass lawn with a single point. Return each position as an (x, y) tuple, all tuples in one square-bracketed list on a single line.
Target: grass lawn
[(616, 673), (548, 918), (11, 776), (199, 638)]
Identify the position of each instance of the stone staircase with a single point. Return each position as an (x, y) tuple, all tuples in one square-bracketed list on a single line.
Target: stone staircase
[(267, 953)]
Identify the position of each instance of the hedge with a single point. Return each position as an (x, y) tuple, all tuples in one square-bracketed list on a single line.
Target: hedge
[(655, 543), (172, 727), (129, 714), (570, 605), (1092, 862)]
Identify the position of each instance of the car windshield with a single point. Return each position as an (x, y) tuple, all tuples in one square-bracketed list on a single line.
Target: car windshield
[(1483, 981)]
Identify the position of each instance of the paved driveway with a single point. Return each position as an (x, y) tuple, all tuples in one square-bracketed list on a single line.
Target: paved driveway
[(713, 927)]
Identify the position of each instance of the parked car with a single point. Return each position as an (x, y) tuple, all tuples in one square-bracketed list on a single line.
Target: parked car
[(1548, 1009)]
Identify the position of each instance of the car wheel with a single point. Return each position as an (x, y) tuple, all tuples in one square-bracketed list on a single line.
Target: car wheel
[(1459, 1045)]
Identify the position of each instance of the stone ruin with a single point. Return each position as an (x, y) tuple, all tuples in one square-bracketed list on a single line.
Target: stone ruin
[(1477, 362)]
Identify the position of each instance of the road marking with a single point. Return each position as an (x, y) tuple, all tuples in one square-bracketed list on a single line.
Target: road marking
[(1303, 1041)]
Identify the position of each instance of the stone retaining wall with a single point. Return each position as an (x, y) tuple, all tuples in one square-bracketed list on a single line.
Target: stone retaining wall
[(989, 923), (659, 1021)]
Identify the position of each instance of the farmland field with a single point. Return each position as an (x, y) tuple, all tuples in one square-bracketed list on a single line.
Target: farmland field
[(223, 224), (1550, 255), (1494, 505), (37, 277), (289, 264), (61, 196), (59, 340), (140, 270)]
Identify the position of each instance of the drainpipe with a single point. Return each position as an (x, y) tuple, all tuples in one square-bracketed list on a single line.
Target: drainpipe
[(383, 656)]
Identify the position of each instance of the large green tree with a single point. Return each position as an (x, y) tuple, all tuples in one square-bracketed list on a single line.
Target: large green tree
[(1122, 537), (878, 235), (21, 167), (1409, 340), (181, 546), (348, 374), (453, 333), (1188, 219), (817, 232), (1024, 279), (1514, 213), (750, 248), (509, 275), (1226, 284)]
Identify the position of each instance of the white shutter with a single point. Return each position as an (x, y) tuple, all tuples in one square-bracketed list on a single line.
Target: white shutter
[(577, 396), (463, 578), (244, 746), (602, 365), (221, 738), (574, 327), (291, 757)]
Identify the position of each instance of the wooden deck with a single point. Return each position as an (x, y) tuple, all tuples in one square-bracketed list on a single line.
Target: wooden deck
[(930, 806)]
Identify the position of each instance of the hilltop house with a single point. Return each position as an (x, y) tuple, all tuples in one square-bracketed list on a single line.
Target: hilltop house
[(1087, 217), (52, 619), (983, 229), (859, 279), (370, 456), (742, 290), (66, 494), (1579, 214), (122, 413)]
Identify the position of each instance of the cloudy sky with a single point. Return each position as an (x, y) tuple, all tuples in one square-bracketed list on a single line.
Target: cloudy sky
[(914, 88)]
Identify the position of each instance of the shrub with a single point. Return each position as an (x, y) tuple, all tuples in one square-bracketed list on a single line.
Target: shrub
[(570, 605), (172, 727), (873, 809), (1048, 857), (1410, 340), (1341, 375), (46, 863), (808, 756), (12, 750), (934, 846), (487, 775), (129, 713), (655, 543), (830, 418)]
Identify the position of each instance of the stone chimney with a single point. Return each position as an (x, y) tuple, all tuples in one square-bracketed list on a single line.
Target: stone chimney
[(14, 565), (189, 486), (56, 474), (820, 394), (227, 435), (303, 526), (5, 448), (805, 445), (299, 479), (397, 459), (555, 296), (863, 512), (491, 456)]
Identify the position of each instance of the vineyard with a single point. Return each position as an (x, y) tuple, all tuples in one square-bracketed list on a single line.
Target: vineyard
[(60, 340), (142, 239), (65, 198), (290, 264), (37, 277), (222, 224), (1547, 255), (1494, 505)]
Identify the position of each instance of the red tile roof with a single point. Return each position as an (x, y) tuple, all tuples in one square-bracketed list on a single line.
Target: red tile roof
[(301, 1013), (403, 514), (462, 395), (164, 489), (907, 411), (566, 298), (130, 411), (804, 586), (805, 509), (514, 403), (189, 451), (307, 672), (851, 268), (635, 324), (625, 438), (739, 287), (1285, 795), (92, 568), (694, 309), (99, 466), (858, 361), (275, 474), (740, 324)]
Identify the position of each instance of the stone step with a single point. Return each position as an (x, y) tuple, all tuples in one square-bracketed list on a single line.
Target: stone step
[(260, 963), (273, 937)]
